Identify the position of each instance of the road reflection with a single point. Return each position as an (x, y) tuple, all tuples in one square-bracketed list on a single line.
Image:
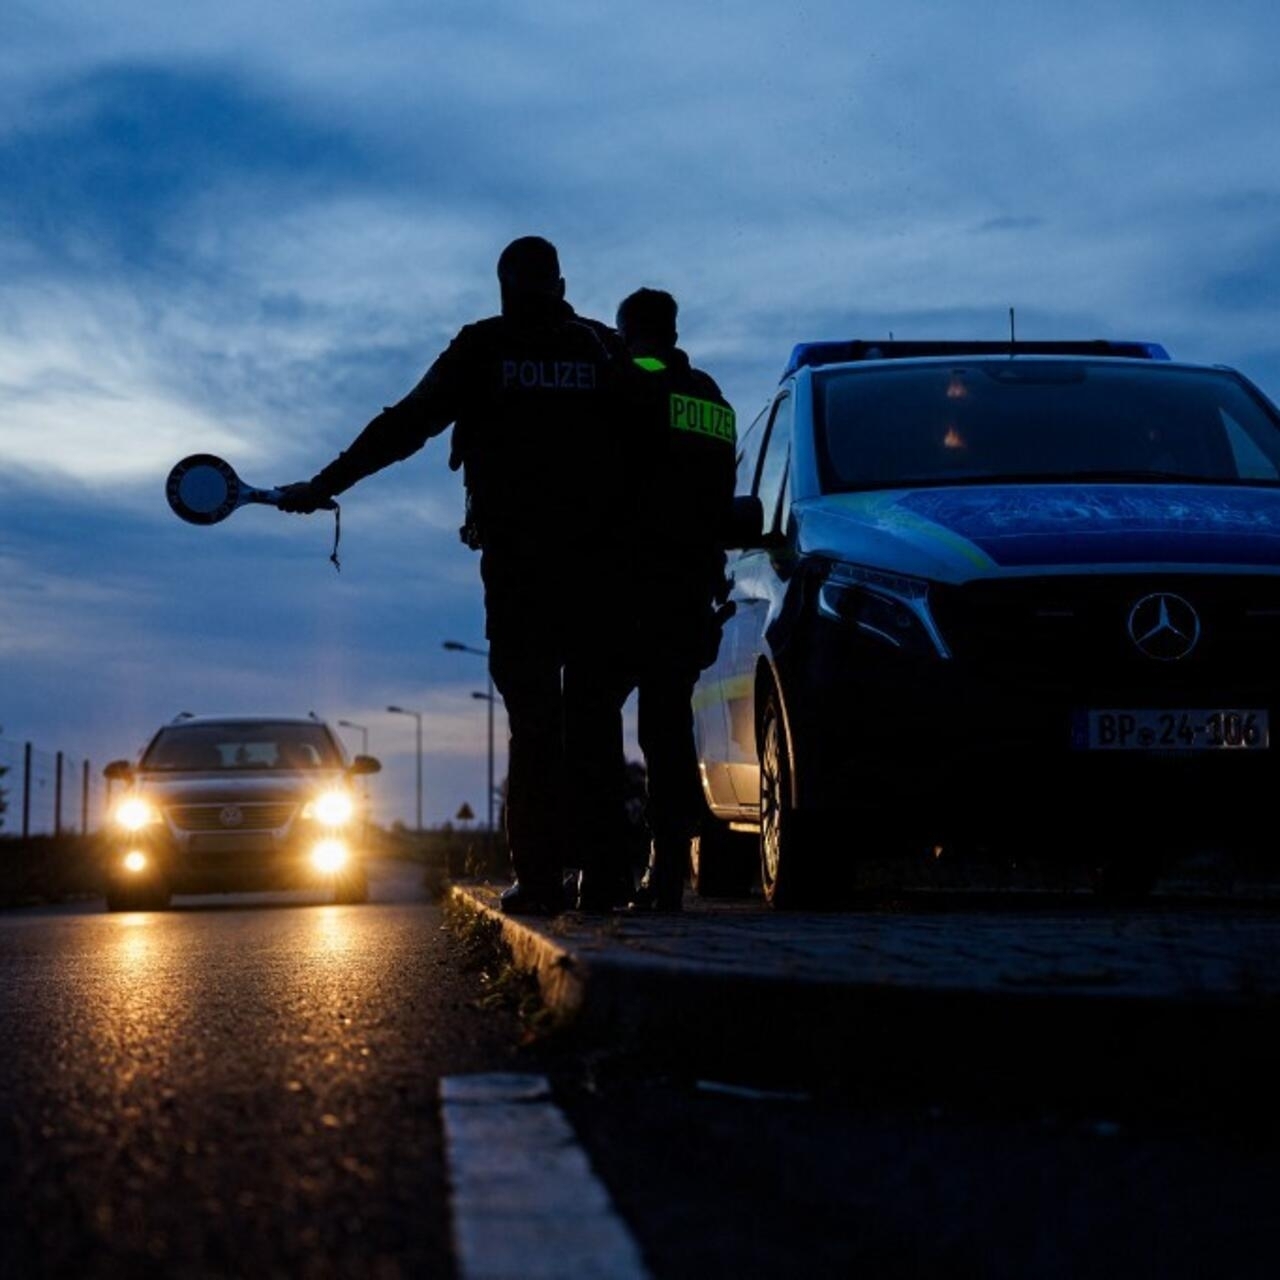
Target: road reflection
[(332, 932), (138, 1004), (193, 1091)]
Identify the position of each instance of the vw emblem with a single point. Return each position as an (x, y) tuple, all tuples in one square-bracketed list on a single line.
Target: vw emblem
[(1164, 627), (231, 816)]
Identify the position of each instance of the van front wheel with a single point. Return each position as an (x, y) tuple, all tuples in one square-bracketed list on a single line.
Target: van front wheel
[(790, 872)]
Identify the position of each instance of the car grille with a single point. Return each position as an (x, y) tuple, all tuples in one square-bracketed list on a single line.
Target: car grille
[(1073, 631), (210, 817)]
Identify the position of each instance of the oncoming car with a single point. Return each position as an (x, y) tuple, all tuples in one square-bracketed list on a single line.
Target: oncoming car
[(1027, 593), (218, 805)]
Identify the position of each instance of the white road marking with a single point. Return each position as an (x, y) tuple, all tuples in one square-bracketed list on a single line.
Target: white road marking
[(526, 1205)]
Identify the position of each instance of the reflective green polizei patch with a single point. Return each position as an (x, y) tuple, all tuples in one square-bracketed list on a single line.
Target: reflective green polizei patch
[(650, 364), (703, 417)]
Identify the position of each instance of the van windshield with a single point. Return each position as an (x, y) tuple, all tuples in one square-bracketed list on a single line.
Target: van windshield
[(1028, 420)]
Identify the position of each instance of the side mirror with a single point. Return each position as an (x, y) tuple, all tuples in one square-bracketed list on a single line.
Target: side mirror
[(746, 524), (364, 764), (118, 771)]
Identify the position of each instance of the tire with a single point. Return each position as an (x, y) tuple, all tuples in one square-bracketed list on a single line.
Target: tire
[(159, 898), (790, 874), (119, 899), (722, 863), (352, 887), (135, 898)]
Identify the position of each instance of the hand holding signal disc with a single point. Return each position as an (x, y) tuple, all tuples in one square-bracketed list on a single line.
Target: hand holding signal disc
[(204, 489)]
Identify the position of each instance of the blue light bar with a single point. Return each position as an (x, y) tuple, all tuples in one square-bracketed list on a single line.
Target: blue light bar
[(848, 351)]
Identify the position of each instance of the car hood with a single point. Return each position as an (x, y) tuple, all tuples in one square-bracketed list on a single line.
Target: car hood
[(956, 534), (240, 788)]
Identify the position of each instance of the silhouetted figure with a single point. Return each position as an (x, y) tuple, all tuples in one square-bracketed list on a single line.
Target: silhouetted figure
[(686, 496), (534, 396)]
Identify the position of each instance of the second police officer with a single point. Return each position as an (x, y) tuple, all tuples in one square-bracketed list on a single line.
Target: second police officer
[(686, 488)]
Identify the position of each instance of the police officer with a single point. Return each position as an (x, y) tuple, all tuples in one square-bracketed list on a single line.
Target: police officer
[(534, 393), (685, 501)]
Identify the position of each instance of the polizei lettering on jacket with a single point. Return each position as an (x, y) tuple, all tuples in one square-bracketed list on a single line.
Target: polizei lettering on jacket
[(704, 417), (559, 375)]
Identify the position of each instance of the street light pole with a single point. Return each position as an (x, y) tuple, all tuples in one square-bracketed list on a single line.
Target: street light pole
[(490, 698), (456, 646), (417, 715), (364, 734)]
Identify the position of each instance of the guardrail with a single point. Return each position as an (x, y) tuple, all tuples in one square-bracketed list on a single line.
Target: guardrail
[(48, 792)]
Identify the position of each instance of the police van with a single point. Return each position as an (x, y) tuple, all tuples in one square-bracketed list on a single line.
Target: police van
[(994, 593)]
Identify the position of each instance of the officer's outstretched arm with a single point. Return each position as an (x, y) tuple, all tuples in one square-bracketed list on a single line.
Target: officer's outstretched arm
[(398, 432)]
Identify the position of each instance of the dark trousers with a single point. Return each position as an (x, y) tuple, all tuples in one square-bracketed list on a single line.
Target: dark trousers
[(665, 729), (562, 675), (677, 637)]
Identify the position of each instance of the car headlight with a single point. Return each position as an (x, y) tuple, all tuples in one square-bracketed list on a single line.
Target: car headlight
[(331, 808), (134, 813), (135, 861), (888, 607)]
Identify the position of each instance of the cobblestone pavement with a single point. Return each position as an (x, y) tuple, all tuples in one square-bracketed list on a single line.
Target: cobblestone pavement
[(1226, 953)]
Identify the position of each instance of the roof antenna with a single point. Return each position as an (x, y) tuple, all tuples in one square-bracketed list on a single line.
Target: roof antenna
[(1013, 332)]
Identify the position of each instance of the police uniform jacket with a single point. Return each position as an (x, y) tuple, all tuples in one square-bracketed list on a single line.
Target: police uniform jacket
[(537, 413), (687, 482)]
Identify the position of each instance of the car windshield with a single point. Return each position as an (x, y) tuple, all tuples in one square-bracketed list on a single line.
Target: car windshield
[(245, 745), (1029, 420)]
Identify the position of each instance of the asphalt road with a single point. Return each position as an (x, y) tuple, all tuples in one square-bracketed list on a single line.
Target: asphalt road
[(240, 1086), (795, 1183), (249, 1088)]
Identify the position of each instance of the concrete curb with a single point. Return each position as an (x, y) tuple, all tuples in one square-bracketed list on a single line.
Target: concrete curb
[(589, 979)]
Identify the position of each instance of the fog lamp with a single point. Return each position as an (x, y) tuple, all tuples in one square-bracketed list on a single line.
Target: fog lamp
[(135, 861), (329, 856)]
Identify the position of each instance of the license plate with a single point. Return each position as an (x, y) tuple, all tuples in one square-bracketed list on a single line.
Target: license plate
[(1143, 729)]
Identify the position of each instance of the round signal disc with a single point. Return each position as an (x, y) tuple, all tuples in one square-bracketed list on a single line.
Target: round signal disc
[(203, 489)]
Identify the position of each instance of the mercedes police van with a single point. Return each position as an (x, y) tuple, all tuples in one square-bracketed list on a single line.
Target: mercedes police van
[(1025, 592)]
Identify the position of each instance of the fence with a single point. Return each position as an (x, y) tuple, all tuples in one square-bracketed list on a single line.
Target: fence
[(48, 792)]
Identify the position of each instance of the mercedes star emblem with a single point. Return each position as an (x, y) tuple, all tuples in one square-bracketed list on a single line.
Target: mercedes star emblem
[(231, 816), (1164, 627)]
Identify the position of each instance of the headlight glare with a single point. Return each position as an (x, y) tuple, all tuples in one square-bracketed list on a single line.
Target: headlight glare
[(135, 861), (331, 808), (134, 813)]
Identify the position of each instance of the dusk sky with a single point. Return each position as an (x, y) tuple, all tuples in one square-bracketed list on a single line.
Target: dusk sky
[(242, 228)]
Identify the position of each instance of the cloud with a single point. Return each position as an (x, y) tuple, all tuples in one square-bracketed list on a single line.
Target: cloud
[(1011, 222), (111, 157), (82, 399), (246, 232), (38, 610)]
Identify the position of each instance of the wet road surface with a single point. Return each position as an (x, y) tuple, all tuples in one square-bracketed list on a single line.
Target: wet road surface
[(249, 1087), (240, 1086)]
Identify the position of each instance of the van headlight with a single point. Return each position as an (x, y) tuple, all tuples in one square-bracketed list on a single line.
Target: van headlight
[(134, 813), (331, 808), (887, 607)]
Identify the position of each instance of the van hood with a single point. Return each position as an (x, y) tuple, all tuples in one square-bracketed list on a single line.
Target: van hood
[(955, 534)]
